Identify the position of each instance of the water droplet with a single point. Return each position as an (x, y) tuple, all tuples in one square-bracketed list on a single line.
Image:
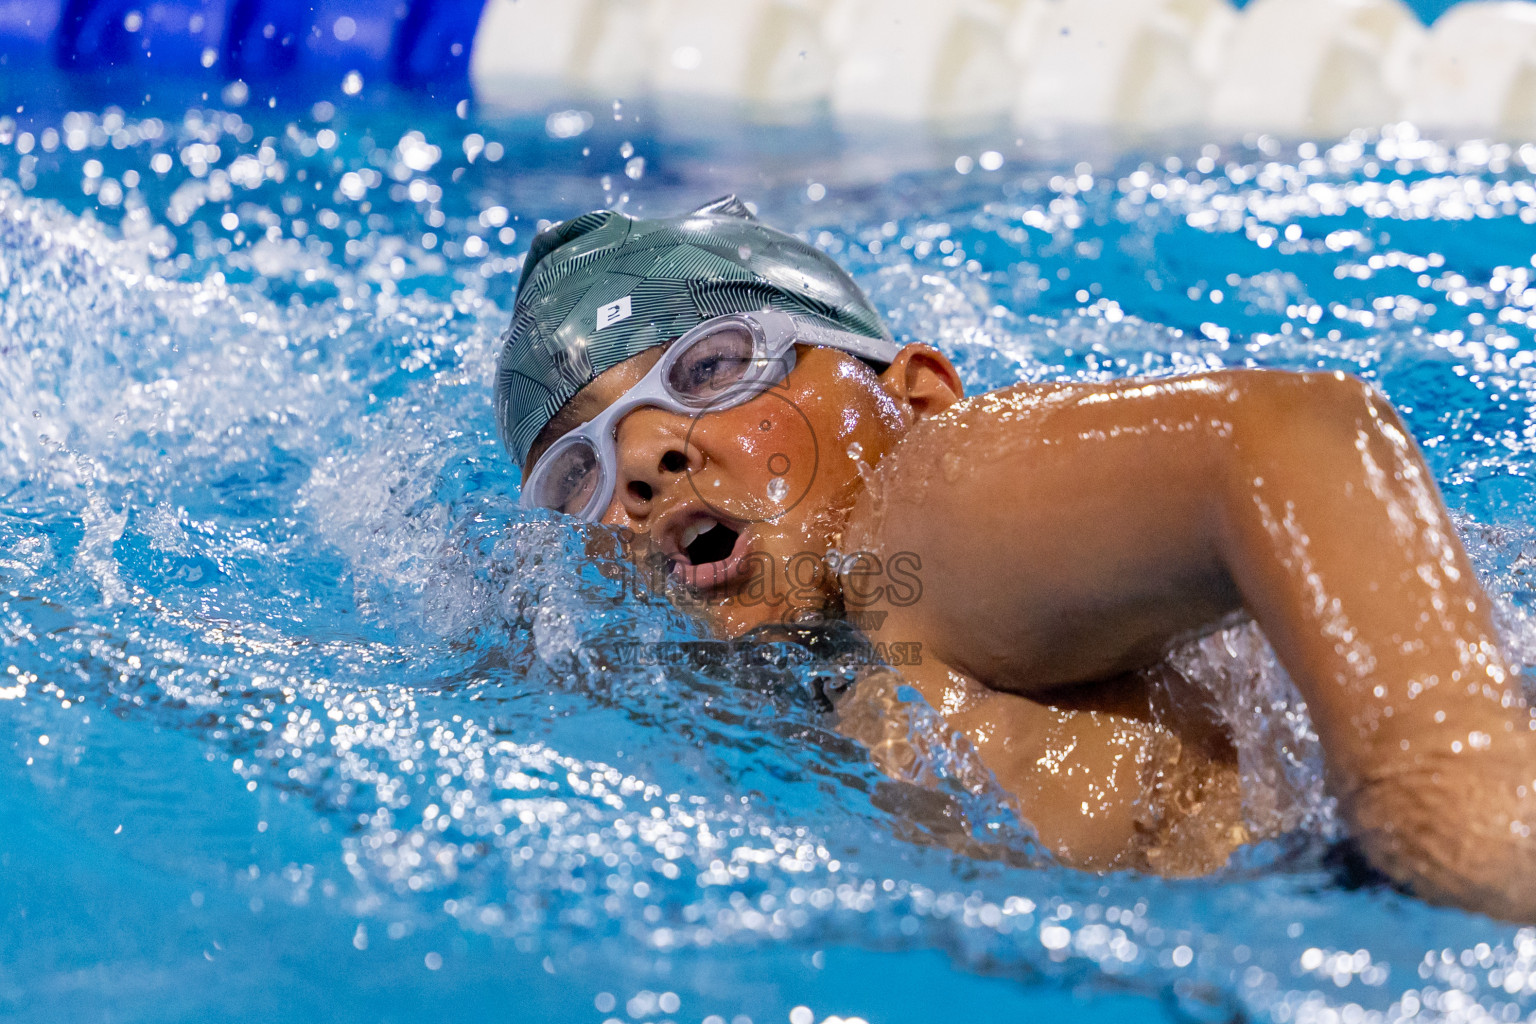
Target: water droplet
[(778, 487), (855, 451)]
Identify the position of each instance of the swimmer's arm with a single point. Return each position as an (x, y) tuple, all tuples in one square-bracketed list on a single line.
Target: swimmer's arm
[(1068, 533), (1333, 530)]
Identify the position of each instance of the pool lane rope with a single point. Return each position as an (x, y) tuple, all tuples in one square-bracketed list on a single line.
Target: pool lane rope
[(1289, 67)]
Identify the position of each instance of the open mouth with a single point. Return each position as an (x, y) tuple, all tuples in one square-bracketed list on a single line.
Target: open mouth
[(708, 541), (709, 553)]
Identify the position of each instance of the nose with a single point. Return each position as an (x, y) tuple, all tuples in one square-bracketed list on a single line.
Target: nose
[(654, 458)]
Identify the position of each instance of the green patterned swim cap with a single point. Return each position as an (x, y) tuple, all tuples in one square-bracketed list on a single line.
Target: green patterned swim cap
[(602, 287)]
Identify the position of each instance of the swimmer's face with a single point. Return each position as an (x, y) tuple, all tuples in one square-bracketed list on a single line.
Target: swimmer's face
[(744, 503)]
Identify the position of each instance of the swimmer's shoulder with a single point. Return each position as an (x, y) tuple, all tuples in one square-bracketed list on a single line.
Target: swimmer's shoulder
[(978, 427)]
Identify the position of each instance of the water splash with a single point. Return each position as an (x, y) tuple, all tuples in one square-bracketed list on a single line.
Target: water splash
[(264, 589)]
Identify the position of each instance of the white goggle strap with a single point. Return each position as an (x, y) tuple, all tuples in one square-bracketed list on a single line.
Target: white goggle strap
[(877, 350)]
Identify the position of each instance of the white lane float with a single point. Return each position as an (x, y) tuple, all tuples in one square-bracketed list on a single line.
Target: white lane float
[(1477, 74), (1142, 64), (1291, 67), (523, 40), (1316, 67), (922, 60), (762, 51), (771, 52), (612, 55)]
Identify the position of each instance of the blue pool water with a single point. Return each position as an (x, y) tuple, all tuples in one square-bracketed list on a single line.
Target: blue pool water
[(302, 720)]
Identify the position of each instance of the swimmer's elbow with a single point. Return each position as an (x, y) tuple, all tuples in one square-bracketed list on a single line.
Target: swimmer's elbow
[(1299, 431), (1461, 835), (1274, 405)]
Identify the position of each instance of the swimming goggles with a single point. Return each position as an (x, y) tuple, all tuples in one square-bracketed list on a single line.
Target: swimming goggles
[(721, 363)]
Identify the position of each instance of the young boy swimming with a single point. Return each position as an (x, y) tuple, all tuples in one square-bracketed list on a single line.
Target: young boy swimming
[(726, 396)]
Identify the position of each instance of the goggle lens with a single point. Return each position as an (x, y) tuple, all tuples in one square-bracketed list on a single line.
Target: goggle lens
[(712, 366), (717, 369), (566, 484)]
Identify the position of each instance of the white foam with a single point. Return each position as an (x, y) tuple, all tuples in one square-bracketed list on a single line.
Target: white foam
[(103, 529)]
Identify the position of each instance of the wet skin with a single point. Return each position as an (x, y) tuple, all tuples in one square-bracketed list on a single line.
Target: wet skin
[(1067, 534)]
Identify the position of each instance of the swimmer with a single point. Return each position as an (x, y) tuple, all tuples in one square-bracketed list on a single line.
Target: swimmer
[(726, 396)]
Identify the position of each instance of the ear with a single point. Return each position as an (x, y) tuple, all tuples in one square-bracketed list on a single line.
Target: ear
[(923, 381)]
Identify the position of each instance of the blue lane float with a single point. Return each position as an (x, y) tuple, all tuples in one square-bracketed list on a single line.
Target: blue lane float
[(415, 43), (28, 28), (171, 35)]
